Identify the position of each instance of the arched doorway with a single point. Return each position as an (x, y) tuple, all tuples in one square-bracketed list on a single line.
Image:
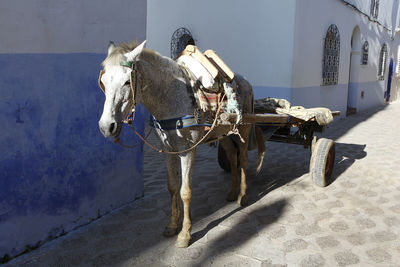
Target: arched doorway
[(355, 61)]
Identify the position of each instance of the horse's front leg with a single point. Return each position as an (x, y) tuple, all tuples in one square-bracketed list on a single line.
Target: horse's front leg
[(187, 161), (231, 152), (173, 188)]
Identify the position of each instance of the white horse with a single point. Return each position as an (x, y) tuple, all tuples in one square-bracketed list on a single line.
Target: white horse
[(164, 88)]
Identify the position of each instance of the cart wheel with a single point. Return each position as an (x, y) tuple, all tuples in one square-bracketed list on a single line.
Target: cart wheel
[(223, 159), (322, 161)]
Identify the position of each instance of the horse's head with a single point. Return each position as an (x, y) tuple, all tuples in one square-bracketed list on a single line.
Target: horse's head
[(116, 82)]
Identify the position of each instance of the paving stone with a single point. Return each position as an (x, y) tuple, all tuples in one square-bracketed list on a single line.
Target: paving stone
[(232, 261), (314, 260), (379, 255), (383, 200), (327, 242), (295, 244), (307, 229), (349, 212), (320, 196), (322, 215), (357, 239), (364, 223), (346, 258), (383, 236), (334, 204), (295, 218), (269, 263), (373, 211), (189, 254), (391, 221), (347, 184), (275, 232), (338, 226), (264, 252)]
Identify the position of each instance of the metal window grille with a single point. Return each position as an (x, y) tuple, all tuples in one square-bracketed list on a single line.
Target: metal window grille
[(330, 72), (179, 40), (365, 50), (374, 8), (382, 62)]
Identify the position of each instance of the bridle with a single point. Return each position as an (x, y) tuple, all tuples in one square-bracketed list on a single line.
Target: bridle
[(129, 114)]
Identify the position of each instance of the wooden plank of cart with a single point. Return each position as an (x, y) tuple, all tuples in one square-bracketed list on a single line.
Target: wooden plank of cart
[(288, 129)]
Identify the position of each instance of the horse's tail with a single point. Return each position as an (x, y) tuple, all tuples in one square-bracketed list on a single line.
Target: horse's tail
[(261, 149)]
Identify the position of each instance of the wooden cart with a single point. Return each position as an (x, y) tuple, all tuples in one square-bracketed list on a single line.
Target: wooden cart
[(291, 130)]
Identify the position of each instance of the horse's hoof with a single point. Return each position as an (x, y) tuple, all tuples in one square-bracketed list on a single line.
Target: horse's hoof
[(243, 201), (170, 231), (182, 242)]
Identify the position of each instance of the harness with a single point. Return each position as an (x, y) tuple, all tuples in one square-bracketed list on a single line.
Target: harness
[(168, 124), (176, 123)]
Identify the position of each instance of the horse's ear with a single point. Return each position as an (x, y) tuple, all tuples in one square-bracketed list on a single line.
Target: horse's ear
[(131, 56), (111, 47)]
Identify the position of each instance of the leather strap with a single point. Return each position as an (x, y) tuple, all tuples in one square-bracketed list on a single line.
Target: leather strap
[(175, 123)]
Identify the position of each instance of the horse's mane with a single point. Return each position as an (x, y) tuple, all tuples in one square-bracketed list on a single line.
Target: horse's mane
[(116, 56)]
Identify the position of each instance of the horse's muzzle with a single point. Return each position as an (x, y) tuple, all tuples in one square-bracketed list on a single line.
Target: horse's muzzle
[(110, 128)]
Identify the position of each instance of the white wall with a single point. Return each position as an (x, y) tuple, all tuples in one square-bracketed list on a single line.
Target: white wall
[(255, 38), (278, 45), (312, 22), (395, 53), (387, 13)]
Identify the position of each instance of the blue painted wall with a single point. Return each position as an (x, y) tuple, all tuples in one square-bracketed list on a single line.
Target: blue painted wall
[(56, 169)]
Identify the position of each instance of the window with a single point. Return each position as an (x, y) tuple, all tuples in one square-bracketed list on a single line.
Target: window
[(180, 39), (331, 56), (382, 62), (374, 8), (365, 49)]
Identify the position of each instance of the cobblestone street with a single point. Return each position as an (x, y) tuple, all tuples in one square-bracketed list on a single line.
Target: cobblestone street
[(289, 221)]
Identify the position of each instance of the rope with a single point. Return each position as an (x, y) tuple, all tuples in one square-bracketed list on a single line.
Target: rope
[(186, 150)]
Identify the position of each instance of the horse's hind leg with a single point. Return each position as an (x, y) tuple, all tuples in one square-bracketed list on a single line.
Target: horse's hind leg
[(187, 161), (173, 187), (231, 152), (243, 159)]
